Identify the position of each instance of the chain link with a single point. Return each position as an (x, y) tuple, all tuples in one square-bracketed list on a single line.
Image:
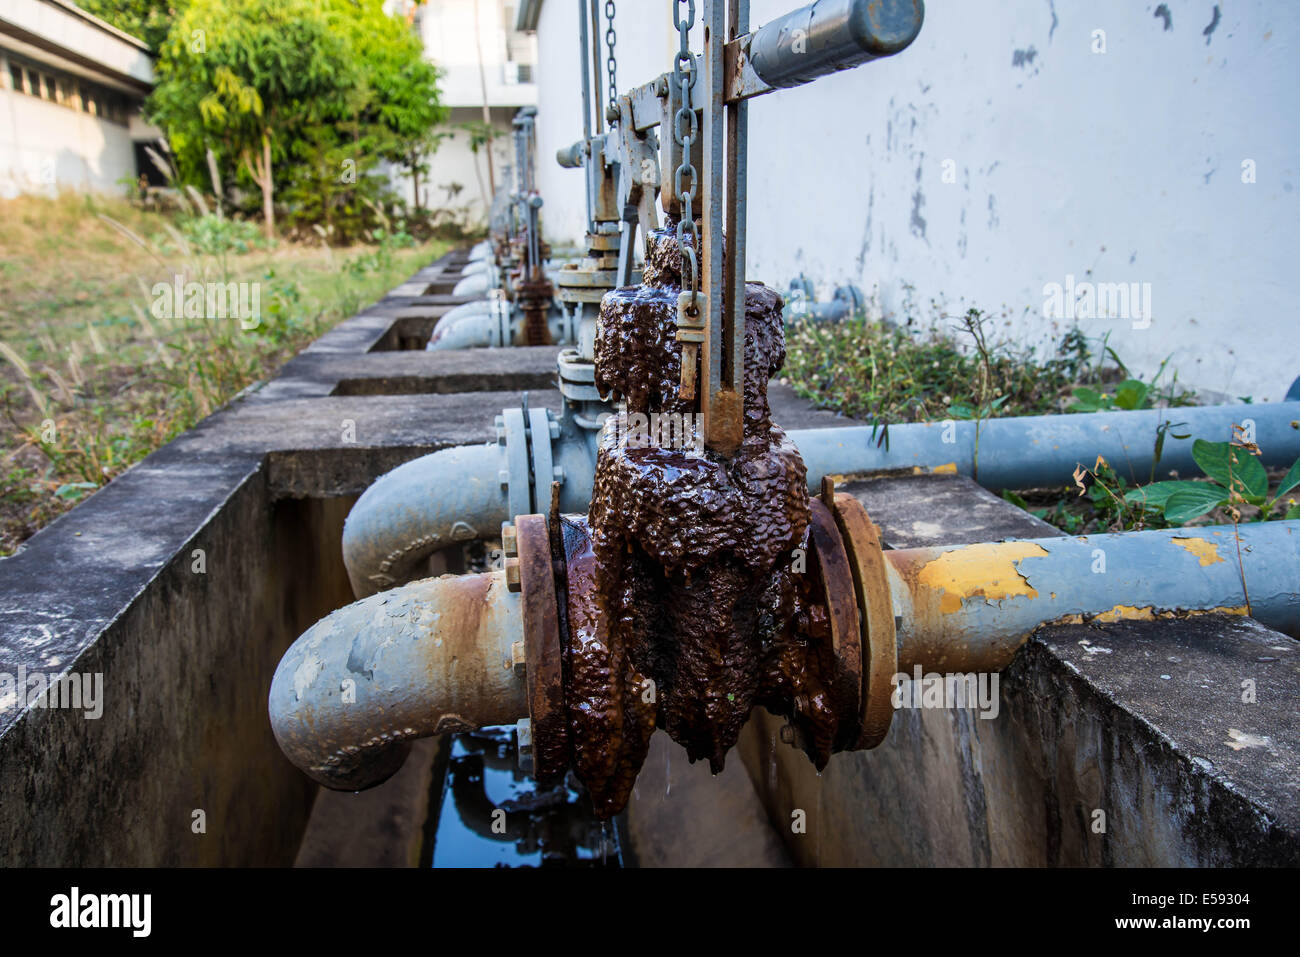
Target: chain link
[(685, 132), (611, 63)]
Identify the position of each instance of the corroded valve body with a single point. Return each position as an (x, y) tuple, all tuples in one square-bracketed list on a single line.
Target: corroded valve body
[(698, 586)]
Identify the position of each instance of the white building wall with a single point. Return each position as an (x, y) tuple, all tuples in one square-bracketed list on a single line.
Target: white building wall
[(454, 41), (44, 147), (1122, 166)]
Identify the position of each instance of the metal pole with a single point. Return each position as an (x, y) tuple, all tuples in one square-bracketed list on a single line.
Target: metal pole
[(719, 405), (595, 65), (733, 336)]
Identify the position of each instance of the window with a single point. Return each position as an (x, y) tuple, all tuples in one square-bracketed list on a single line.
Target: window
[(71, 92)]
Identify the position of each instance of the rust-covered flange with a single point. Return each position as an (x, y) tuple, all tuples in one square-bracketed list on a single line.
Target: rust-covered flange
[(533, 296), (876, 611), (542, 652), (839, 596)]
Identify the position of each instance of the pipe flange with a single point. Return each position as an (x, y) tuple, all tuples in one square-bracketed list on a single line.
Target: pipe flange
[(542, 654), (880, 650), (838, 594)]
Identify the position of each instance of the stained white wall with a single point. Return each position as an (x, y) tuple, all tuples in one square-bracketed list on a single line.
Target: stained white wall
[(1122, 166), (45, 147)]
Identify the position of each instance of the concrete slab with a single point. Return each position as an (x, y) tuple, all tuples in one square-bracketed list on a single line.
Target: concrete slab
[(1095, 757)]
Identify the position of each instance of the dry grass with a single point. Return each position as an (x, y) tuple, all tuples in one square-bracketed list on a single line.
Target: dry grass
[(91, 381)]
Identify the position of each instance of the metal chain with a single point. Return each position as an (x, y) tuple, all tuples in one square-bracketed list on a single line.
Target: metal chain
[(611, 63), (683, 66)]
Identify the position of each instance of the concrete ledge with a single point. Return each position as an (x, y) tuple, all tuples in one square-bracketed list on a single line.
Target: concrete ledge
[(1135, 727)]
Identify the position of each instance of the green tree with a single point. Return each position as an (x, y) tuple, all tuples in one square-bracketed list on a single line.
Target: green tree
[(397, 102), (249, 77), (148, 20)]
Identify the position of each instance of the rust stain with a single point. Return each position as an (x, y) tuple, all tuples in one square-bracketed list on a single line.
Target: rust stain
[(1207, 552), (1127, 613), (1149, 613), (987, 570)]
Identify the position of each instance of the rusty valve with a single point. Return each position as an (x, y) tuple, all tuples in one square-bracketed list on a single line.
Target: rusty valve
[(854, 657)]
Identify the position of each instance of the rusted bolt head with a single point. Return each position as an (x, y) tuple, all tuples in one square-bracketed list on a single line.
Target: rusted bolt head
[(787, 734), (518, 658), (512, 574), (509, 541)]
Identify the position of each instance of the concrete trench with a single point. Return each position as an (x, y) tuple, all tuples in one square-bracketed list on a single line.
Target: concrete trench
[(1152, 731)]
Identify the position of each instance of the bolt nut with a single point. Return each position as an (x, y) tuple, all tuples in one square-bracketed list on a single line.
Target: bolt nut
[(512, 575), (524, 744), (518, 658), (509, 541), (611, 113), (788, 734)]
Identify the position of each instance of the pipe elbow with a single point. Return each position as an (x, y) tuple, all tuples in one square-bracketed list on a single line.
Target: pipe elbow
[(430, 503), (475, 284), (357, 688)]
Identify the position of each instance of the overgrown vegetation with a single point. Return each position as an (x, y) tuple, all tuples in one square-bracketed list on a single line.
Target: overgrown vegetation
[(298, 102), (92, 378), (886, 374)]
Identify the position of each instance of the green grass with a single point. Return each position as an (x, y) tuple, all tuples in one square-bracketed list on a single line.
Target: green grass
[(886, 374), (91, 382)]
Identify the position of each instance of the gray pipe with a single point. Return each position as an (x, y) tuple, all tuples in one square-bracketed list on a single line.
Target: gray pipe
[(1044, 450), (450, 496), (832, 35), (359, 686), (430, 503), (969, 607), (489, 329), (484, 327), (476, 284), (458, 494)]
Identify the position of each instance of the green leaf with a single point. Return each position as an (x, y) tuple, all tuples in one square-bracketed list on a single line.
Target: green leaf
[(1292, 513), (1290, 480), (1155, 495), (1089, 400), (1131, 394), (1186, 504), (1014, 499), (73, 491), (1212, 457), (1231, 467), (960, 410)]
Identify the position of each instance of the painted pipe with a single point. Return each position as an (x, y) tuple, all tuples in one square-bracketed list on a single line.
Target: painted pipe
[(489, 328), (359, 686), (475, 284), (968, 608), (486, 326), (456, 495), (832, 35), (430, 503), (441, 499), (1044, 450)]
